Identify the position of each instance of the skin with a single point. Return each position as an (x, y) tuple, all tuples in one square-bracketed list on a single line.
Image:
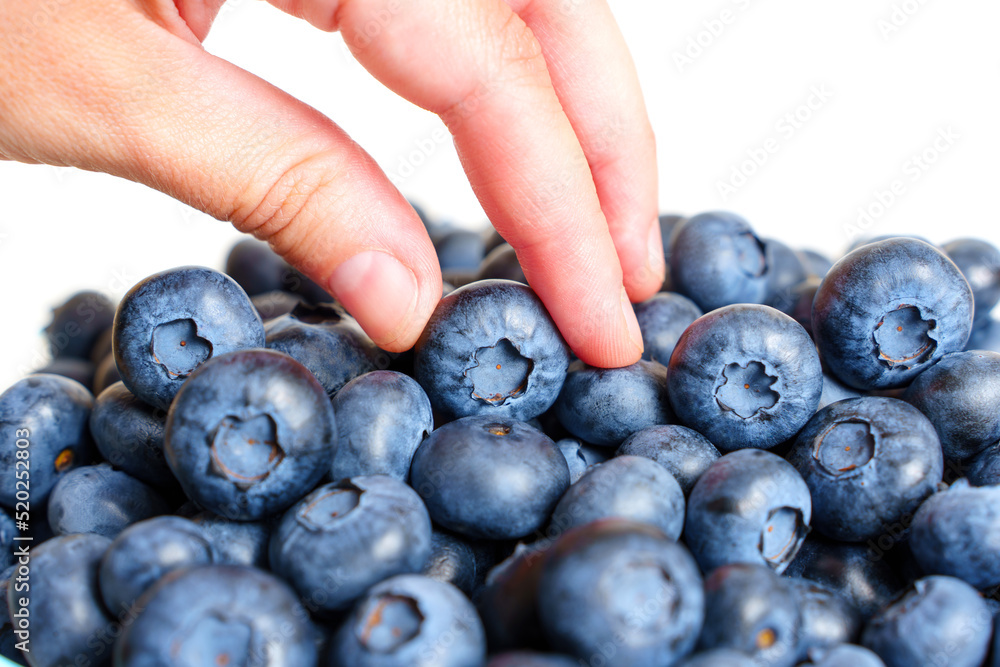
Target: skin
[(541, 97)]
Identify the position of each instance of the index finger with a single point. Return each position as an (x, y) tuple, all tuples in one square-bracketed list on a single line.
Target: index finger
[(479, 66)]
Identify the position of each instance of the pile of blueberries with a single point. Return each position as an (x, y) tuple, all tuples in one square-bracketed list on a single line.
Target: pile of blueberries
[(804, 469)]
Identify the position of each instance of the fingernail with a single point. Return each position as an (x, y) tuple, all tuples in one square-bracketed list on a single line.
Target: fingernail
[(655, 261), (631, 323), (379, 291)]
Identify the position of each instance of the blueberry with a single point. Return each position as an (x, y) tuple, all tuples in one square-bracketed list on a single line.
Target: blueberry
[(750, 609), (745, 376), (986, 336), (662, 319), (750, 506), (845, 655), (489, 477), (78, 323), (236, 542), (687, 454), (718, 657), (70, 367), (834, 391), (626, 487), (47, 414), (957, 532), (669, 222), (803, 296), (826, 619), (8, 531), (460, 249), (716, 260), (327, 341), (68, 623), (8, 640), (272, 305), (491, 348), (531, 659), (129, 435), (961, 396), (249, 433), (413, 621), (869, 462), (620, 586), (501, 263), (855, 572), (580, 456), (603, 406), (218, 615), (508, 603), (890, 310), (979, 262), (99, 499), (144, 552), (937, 621), (257, 268), (816, 264), (382, 417), (173, 321), (105, 374), (984, 468), (344, 537), (452, 560), (785, 271)]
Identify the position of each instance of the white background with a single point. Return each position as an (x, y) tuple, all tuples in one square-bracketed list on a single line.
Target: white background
[(895, 76)]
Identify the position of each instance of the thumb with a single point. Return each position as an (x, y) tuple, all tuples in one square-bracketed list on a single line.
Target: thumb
[(102, 87)]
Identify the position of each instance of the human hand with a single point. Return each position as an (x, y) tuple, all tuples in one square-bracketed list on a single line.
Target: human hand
[(541, 97)]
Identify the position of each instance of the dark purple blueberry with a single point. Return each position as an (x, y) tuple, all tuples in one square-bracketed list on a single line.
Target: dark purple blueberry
[(78, 323), (249, 434), (890, 310), (501, 263), (486, 477), (172, 322), (745, 376), (662, 319), (979, 262), (685, 453)]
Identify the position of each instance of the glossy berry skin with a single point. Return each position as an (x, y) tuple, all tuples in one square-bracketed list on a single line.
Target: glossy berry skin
[(869, 462), (745, 376), (750, 609), (957, 532), (855, 572), (937, 621), (603, 406), (144, 552), (63, 576), (236, 542), (580, 456), (685, 453), (129, 435), (453, 560), (346, 536), (826, 620), (718, 657), (327, 341), (961, 396), (50, 412), (662, 319), (487, 477), (979, 262), (171, 322), (99, 499), (984, 468), (250, 433), (78, 323), (716, 260), (257, 268), (750, 506), (625, 487), (508, 603), (625, 584), (382, 417), (218, 615), (890, 310), (410, 620), (491, 348)]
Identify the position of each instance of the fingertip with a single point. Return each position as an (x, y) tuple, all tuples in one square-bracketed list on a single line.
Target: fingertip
[(645, 267), (610, 338)]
